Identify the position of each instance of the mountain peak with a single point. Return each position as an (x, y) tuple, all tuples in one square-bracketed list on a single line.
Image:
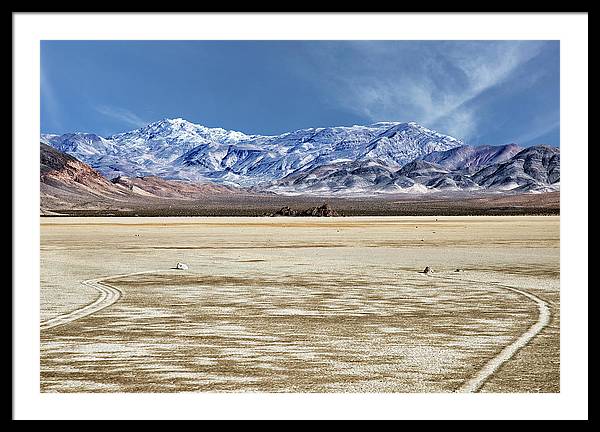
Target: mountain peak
[(170, 122), (178, 121), (179, 149)]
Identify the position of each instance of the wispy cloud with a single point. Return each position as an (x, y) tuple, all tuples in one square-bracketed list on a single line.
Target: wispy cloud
[(436, 84), (121, 114)]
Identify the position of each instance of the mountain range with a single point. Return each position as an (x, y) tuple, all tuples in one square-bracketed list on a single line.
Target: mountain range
[(380, 158)]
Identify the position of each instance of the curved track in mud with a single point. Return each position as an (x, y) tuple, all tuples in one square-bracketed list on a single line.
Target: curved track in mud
[(474, 383), (108, 296)]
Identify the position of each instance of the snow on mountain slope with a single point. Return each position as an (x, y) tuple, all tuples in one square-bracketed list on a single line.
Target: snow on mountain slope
[(336, 178), (530, 170), (178, 149), (492, 168), (385, 157), (470, 158), (405, 142), (67, 183), (80, 145)]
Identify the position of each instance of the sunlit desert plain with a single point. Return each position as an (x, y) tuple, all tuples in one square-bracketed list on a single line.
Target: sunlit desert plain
[(277, 304)]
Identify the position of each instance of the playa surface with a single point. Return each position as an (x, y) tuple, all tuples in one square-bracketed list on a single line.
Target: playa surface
[(300, 304)]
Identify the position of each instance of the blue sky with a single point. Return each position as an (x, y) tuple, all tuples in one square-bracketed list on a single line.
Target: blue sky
[(484, 92)]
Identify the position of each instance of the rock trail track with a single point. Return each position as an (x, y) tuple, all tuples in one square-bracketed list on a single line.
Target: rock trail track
[(474, 383), (109, 295)]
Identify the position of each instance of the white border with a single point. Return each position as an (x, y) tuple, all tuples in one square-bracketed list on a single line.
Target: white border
[(570, 29)]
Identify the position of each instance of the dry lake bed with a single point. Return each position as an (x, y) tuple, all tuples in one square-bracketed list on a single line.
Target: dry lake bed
[(300, 304)]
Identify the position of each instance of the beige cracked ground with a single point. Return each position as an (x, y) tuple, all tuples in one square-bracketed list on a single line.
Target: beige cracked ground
[(299, 304)]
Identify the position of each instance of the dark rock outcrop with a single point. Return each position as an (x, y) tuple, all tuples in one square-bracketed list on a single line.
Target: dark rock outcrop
[(285, 211), (323, 211)]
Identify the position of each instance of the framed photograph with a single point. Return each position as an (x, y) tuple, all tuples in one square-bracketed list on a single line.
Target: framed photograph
[(300, 215)]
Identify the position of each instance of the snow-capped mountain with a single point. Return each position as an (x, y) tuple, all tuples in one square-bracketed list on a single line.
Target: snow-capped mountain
[(533, 169), (465, 168), (178, 149), (384, 157), (81, 145)]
